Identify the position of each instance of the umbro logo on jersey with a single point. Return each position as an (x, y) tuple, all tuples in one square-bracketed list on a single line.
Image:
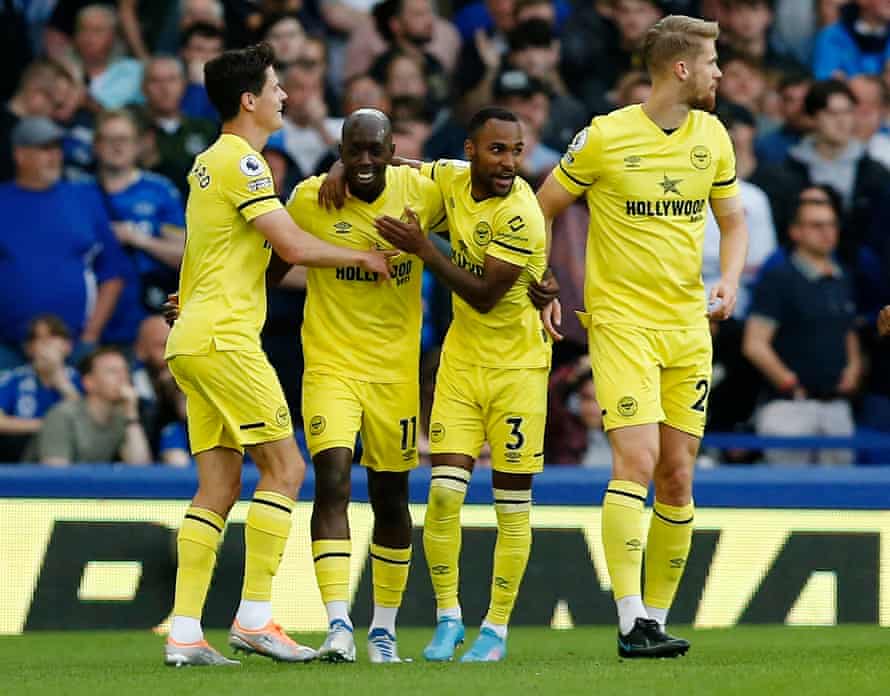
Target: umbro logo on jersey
[(342, 227), (633, 162)]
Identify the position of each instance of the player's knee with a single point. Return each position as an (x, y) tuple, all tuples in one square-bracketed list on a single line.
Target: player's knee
[(291, 474), (634, 464), (332, 488), (220, 496), (392, 511), (389, 500), (444, 501), (673, 484)]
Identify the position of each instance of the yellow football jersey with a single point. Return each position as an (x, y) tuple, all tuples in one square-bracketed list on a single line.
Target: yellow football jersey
[(222, 286), (647, 191), (511, 229), (354, 326)]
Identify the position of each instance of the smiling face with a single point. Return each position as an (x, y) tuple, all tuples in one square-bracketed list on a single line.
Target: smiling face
[(495, 155), (269, 103), (366, 151)]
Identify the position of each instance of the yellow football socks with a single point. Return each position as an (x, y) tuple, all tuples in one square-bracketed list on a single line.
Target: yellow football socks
[(622, 529), (511, 551), (332, 560), (196, 548), (389, 573), (442, 532), (265, 536), (670, 535)]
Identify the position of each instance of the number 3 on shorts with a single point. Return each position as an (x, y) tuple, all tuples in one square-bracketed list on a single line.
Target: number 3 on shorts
[(515, 422)]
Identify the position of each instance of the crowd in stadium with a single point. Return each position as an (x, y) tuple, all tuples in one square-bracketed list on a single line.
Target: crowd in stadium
[(104, 110)]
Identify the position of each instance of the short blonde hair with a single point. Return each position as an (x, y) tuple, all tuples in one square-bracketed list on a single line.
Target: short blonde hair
[(674, 37)]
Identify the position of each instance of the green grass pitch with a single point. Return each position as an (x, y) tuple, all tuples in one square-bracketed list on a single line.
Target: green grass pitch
[(749, 660)]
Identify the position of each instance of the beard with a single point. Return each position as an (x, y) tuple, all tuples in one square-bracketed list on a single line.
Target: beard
[(704, 102)]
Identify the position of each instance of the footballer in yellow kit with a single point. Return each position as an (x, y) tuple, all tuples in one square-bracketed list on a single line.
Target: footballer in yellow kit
[(479, 393), (648, 191), (361, 336), (214, 349), (492, 379)]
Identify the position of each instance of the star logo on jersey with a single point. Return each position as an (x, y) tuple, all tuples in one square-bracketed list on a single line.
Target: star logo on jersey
[(669, 185), (342, 227)]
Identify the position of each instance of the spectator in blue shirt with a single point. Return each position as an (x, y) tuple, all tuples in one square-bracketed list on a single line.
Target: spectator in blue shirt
[(29, 391), (858, 43), (147, 217), (57, 252), (800, 335)]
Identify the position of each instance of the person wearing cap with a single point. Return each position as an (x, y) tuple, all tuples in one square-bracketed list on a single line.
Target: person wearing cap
[(57, 251)]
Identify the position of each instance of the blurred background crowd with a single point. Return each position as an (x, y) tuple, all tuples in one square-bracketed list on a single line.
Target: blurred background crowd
[(103, 109)]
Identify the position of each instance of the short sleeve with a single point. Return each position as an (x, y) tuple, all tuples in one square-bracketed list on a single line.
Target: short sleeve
[(55, 438), (303, 202), (433, 217), (247, 184), (512, 239), (579, 167), (767, 296), (725, 184)]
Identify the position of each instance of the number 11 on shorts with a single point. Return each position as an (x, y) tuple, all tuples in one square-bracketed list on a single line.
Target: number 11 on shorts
[(409, 426)]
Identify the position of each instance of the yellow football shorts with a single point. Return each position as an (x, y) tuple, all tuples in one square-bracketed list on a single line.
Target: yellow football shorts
[(233, 399), (506, 407), (335, 409), (651, 376)]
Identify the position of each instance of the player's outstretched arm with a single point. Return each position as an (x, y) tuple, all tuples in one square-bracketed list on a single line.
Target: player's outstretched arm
[(284, 275), (482, 293), (297, 247), (730, 216)]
